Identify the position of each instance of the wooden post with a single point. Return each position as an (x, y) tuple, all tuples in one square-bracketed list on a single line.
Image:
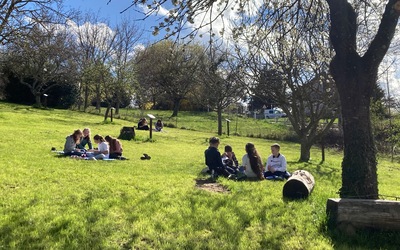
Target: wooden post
[(350, 214), (112, 109), (45, 100), (151, 124), (227, 126)]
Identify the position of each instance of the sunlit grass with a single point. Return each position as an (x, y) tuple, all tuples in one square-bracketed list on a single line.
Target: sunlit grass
[(48, 202), (207, 122)]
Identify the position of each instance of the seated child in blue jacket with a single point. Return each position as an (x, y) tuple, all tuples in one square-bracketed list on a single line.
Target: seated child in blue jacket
[(213, 158)]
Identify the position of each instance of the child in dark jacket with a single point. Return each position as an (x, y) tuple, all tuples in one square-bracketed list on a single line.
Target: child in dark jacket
[(213, 158)]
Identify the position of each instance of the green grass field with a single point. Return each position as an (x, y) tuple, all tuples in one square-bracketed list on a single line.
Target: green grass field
[(50, 202), (207, 122)]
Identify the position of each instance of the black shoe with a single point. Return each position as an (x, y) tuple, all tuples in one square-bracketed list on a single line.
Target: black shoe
[(232, 177), (145, 157)]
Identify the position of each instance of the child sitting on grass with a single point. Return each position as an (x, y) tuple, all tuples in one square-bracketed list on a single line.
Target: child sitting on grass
[(232, 164), (115, 147), (276, 164), (71, 141), (252, 162), (102, 152), (229, 158), (213, 159)]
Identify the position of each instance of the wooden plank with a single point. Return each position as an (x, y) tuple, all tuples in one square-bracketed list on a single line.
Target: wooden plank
[(364, 213)]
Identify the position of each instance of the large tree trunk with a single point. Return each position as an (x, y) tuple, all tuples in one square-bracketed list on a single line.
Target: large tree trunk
[(107, 112), (219, 113), (117, 109), (37, 100), (305, 147), (355, 77), (177, 103), (359, 166), (86, 101)]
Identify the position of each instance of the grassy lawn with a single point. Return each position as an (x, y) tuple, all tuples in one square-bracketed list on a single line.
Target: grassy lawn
[(207, 122), (49, 202)]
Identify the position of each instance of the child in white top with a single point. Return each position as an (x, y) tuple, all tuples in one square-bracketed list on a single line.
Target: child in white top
[(102, 152), (276, 164), (252, 162)]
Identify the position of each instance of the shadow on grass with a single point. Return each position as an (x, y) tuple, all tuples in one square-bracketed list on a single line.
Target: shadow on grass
[(316, 169), (20, 230), (361, 238)]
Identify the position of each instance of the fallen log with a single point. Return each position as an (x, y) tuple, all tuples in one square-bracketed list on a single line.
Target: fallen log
[(299, 185), (363, 214)]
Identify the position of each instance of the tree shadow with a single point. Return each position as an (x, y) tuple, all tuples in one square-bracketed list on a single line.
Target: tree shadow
[(360, 238), (317, 169)]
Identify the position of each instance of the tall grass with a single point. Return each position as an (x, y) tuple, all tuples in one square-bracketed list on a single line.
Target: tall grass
[(50, 202)]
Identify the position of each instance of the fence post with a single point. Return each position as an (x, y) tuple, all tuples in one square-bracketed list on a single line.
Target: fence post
[(227, 125), (151, 124), (45, 100), (112, 110)]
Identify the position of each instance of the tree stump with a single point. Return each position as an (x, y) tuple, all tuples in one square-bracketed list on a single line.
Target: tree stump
[(363, 213), (299, 185), (127, 133)]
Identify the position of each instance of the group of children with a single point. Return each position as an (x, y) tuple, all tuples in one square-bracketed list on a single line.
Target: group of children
[(107, 147), (143, 125), (227, 164)]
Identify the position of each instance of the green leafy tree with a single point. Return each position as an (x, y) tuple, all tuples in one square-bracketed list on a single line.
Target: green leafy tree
[(175, 73), (122, 62), (43, 60), (95, 41), (288, 62), (221, 83)]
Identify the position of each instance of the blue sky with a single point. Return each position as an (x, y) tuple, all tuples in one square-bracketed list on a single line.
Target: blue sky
[(109, 11), (112, 13)]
